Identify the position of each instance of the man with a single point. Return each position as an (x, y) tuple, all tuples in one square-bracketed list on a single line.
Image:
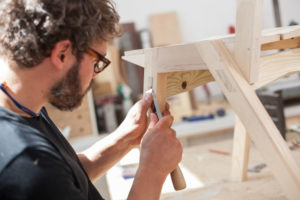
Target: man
[(50, 50)]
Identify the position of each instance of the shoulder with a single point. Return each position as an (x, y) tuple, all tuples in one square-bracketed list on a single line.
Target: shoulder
[(36, 174), (16, 136)]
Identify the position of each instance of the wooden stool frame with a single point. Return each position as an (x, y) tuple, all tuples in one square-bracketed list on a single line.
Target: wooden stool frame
[(236, 64)]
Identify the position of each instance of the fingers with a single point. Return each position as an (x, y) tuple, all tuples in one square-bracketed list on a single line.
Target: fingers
[(167, 110), (153, 120), (167, 106), (166, 121), (146, 102), (141, 107)]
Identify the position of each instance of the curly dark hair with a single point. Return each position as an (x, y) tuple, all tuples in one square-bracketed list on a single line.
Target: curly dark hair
[(29, 29)]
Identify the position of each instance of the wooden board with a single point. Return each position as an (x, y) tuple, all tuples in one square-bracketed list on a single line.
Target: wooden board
[(81, 120), (246, 53), (240, 152), (278, 65), (258, 123), (282, 44), (248, 36), (180, 106), (270, 66), (181, 56), (164, 29), (178, 82)]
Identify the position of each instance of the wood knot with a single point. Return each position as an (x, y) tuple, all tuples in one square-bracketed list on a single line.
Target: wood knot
[(184, 84)]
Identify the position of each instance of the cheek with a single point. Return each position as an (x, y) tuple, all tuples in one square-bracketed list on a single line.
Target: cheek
[(86, 73)]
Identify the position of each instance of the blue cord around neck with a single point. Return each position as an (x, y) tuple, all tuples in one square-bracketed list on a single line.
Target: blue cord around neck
[(20, 106)]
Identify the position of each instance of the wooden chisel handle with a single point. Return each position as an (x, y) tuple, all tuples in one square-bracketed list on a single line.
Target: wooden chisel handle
[(178, 179), (176, 175)]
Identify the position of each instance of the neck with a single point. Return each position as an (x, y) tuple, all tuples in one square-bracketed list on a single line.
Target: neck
[(26, 86)]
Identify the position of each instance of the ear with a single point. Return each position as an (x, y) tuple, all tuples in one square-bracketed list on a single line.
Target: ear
[(61, 54)]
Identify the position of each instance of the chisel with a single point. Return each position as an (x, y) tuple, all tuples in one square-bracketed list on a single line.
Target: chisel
[(176, 175)]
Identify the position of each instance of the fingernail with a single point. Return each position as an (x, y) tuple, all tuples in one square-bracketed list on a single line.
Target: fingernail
[(147, 97), (153, 117)]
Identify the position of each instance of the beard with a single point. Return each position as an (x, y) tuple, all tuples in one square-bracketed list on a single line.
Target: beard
[(67, 93)]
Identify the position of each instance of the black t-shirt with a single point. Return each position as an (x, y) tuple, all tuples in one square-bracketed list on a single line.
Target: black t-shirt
[(38, 163)]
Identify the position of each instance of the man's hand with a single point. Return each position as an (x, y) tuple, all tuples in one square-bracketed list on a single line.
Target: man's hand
[(135, 124), (105, 153), (161, 151), (160, 154)]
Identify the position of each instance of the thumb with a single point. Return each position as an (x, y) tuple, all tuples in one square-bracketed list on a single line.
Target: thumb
[(146, 103), (153, 120)]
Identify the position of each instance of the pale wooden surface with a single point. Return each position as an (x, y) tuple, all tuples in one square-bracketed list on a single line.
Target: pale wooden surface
[(246, 51), (247, 38), (79, 120), (164, 29), (278, 65), (178, 82), (180, 106), (183, 57), (282, 44), (240, 152), (253, 115), (270, 67)]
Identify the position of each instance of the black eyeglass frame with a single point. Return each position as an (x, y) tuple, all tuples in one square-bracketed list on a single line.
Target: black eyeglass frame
[(100, 57)]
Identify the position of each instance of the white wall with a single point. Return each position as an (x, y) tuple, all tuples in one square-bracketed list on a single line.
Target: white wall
[(200, 19), (290, 10)]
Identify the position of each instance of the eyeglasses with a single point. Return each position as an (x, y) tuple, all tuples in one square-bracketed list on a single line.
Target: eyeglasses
[(102, 62)]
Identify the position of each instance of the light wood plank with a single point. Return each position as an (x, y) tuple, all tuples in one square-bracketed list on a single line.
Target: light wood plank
[(164, 29), (247, 37), (278, 65), (246, 53), (148, 71), (135, 59), (240, 152), (178, 82), (258, 123), (270, 70), (182, 57), (282, 44), (290, 32)]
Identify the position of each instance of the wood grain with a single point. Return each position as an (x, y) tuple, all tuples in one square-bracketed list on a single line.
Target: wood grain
[(178, 82), (248, 36), (240, 152), (282, 44), (278, 65)]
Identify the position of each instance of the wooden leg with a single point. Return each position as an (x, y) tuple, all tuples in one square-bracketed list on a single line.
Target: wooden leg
[(252, 113), (240, 153)]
